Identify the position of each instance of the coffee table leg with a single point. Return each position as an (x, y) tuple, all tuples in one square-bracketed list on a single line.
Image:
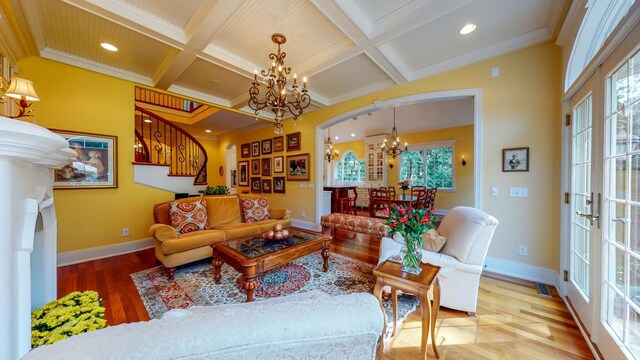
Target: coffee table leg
[(425, 305), (250, 283), (325, 256), (394, 306), (217, 264)]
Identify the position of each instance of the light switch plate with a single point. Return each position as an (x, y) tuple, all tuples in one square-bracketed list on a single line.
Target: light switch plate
[(303, 185), (518, 192), (310, 186), (495, 191)]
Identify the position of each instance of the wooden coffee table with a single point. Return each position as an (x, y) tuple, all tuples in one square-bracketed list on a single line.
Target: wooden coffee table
[(253, 255)]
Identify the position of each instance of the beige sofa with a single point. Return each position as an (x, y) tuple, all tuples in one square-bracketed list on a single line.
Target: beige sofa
[(225, 223)]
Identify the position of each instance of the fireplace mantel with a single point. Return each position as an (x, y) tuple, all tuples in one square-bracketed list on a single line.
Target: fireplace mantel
[(28, 227)]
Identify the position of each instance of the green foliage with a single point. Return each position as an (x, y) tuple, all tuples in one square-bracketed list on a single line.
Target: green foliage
[(349, 168), (429, 167), (217, 190), (411, 223)]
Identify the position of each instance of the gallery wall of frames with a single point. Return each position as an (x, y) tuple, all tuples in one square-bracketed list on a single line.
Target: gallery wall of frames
[(267, 165)]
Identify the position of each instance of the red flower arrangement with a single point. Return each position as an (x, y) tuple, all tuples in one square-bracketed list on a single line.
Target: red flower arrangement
[(411, 223)]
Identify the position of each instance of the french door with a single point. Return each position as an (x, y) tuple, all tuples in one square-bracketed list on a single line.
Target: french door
[(602, 254)]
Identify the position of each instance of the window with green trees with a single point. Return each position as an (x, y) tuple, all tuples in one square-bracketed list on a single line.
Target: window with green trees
[(430, 165), (349, 168)]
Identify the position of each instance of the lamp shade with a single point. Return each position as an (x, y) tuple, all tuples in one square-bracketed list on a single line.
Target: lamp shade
[(22, 87)]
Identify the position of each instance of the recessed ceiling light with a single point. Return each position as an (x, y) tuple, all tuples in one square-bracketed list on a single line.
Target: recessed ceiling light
[(147, 120), (207, 131), (353, 135), (108, 46), (215, 82), (467, 29), (337, 138)]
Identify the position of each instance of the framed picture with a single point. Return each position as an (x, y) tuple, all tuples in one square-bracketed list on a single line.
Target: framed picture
[(95, 165), (298, 167), (278, 144), (255, 185), (245, 150), (266, 166), (243, 170), (266, 186), (255, 166), (278, 164), (515, 159), (293, 142), (279, 185), (255, 149), (266, 147)]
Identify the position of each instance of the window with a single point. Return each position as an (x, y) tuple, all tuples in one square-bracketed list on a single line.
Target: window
[(429, 165), (349, 168)]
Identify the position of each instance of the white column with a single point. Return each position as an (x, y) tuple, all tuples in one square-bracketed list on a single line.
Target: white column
[(7, 345)]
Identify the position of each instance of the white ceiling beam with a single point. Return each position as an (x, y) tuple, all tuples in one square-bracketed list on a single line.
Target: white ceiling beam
[(362, 42), (205, 22)]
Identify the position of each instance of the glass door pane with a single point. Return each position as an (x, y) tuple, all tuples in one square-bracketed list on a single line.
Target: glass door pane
[(622, 200), (581, 196)]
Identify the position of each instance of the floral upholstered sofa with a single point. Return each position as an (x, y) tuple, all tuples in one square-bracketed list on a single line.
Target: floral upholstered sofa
[(225, 220)]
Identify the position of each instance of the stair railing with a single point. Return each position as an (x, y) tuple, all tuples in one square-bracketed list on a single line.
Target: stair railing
[(161, 142)]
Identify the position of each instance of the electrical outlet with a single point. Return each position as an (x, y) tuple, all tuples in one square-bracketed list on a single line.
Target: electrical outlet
[(125, 232), (303, 214), (303, 186), (310, 186), (495, 191), (523, 251)]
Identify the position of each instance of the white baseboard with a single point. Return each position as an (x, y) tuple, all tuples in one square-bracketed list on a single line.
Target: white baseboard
[(521, 271), (78, 256), (306, 225)]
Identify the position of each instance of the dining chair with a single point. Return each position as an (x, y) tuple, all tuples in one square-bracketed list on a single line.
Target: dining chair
[(420, 193), (380, 203), (430, 197)]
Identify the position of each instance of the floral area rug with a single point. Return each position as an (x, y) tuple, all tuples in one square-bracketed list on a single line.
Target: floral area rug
[(194, 285)]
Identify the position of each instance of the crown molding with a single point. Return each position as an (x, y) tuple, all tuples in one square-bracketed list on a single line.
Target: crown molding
[(69, 59)]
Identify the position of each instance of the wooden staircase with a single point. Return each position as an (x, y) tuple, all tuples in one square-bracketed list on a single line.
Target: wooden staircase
[(161, 143)]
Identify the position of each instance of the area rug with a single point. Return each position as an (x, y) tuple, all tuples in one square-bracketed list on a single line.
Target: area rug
[(194, 285)]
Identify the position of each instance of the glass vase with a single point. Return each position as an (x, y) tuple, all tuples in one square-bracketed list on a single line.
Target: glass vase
[(411, 255)]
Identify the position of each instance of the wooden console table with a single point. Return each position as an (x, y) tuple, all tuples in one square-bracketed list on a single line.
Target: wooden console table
[(389, 274)]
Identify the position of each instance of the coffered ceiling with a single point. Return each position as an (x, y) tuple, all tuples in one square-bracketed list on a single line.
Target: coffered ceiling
[(209, 49)]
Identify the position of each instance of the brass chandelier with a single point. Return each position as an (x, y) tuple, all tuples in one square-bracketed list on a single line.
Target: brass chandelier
[(330, 153), (278, 98), (394, 150)]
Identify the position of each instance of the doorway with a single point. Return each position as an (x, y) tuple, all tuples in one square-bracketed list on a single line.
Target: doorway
[(231, 179)]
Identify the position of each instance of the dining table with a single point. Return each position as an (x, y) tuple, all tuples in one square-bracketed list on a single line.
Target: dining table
[(404, 199)]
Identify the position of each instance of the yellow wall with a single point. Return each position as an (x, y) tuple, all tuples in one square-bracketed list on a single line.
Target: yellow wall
[(519, 108), (80, 100), (356, 146), (463, 136)]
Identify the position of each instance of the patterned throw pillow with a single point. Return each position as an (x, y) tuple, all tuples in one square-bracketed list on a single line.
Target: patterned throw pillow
[(188, 216), (432, 241), (255, 209)]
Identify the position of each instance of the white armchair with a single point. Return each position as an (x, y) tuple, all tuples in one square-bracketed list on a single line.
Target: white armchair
[(468, 231)]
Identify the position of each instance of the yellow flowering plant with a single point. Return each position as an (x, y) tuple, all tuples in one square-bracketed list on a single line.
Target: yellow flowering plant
[(75, 313)]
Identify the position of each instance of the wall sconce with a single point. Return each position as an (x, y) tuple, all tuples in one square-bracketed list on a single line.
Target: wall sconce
[(22, 91), (390, 165), (464, 162)]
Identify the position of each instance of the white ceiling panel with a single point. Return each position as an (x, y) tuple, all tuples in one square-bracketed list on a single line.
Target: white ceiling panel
[(356, 73), (220, 123), (423, 116), (438, 41), (247, 34), (176, 12), (71, 30), (208, 78)]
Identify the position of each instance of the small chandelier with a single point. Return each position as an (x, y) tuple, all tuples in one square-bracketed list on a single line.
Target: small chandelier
[(277, 98), (395, 148), (331, 153)]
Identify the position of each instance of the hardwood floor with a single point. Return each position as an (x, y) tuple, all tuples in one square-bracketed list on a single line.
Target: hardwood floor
[(512, 322)]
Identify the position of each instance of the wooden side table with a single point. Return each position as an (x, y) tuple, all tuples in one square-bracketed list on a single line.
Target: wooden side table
[(389, 274)]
